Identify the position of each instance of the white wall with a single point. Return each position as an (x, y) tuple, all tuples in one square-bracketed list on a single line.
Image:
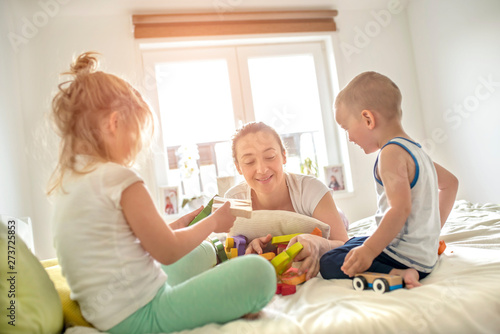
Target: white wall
[(15, 192), (457, 52), (387, 49)]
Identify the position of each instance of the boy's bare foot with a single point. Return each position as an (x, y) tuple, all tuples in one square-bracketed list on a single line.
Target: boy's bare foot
[(410, 277)]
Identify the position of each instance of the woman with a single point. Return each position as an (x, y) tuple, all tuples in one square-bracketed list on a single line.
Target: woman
[(259, 155)]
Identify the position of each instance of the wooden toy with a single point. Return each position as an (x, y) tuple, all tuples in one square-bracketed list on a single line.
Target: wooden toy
[(207, 210), (240, 243), (317, 232), (283, 239), (292, 277), (279, 287), (442, 247), (283, 260), (288, 289), (233, 252), (379, 282), (219, 249), (280, 248), (268, 256), (239, 207)]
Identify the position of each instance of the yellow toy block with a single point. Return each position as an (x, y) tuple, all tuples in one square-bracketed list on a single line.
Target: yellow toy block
[(233, 252), (284, 239), (229, 243), (283, 260), (294, 249)]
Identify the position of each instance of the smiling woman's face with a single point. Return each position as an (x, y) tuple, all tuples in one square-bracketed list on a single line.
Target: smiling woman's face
[(260, 161)]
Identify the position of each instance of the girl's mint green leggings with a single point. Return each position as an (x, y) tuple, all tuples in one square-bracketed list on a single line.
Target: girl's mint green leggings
[(196, 293)]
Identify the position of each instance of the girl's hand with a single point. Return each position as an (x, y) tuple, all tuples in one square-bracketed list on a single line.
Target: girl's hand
[(223, 219), (358, 260), (256, 245), (185, 220)]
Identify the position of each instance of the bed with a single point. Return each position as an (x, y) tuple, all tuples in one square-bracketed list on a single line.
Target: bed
[(462, 295)]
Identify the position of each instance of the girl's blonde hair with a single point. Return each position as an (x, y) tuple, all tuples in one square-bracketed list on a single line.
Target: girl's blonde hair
[(83, 103)]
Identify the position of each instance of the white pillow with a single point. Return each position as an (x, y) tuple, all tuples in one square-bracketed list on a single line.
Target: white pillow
[(276, 222)]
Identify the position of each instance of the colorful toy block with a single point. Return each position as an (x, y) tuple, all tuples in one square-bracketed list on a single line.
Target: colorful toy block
[(317, 232), (207, 210), (219, 249), (280, 248), (268, 256), (442, 247), (292, 277), (288, 289), (283, 239), (284, 260), (239, 207)]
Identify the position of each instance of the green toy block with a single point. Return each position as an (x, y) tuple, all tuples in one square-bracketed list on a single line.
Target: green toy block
[(207, 210)]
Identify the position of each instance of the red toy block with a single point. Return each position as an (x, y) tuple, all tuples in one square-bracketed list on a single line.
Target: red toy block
[(287, 289)]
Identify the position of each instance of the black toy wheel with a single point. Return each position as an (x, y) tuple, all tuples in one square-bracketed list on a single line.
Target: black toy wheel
[(359, 283), (381, 285)]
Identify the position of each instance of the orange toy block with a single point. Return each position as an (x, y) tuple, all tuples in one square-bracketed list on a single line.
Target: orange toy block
[(239, 207), (268, 256), (442, 247), (317, 232), (292, 277)]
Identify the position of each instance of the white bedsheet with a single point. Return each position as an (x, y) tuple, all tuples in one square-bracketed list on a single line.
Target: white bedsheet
[(461, 295)]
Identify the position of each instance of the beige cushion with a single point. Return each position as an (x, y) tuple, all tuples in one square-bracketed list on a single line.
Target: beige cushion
[(276, 222)]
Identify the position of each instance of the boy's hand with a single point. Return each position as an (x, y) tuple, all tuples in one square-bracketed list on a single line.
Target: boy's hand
[(358, 260), (223, 219), (257, 245)]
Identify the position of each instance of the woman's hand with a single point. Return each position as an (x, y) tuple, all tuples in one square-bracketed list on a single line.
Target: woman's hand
[(314, 248), (256, 245), (185, 220), (222, 218)]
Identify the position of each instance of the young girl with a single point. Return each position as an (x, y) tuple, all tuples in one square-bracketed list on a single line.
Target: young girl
[(110, 238)]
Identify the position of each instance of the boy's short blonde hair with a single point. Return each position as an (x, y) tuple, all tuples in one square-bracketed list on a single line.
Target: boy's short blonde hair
[(371, 91)]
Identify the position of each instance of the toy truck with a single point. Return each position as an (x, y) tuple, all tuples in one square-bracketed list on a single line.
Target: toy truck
[(378, 282)]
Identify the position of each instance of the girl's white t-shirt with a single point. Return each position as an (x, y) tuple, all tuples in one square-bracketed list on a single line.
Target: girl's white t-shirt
[(110, 274)]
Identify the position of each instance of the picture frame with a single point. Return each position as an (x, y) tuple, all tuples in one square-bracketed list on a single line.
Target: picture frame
[(170, 200), (335, 178)]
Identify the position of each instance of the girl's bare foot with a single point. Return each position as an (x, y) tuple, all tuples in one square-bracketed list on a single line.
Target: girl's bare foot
[(252, 316), (410, 277)]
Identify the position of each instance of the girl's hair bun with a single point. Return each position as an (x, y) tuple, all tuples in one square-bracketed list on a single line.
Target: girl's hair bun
[(85, 63)]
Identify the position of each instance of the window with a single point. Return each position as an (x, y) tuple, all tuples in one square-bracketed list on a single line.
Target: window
[(203, 94)]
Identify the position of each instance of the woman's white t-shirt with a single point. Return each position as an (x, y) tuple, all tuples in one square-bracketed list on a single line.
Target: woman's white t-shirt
[(305, 192)]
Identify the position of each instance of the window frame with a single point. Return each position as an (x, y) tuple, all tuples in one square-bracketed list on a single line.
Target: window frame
[(154, 51)]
